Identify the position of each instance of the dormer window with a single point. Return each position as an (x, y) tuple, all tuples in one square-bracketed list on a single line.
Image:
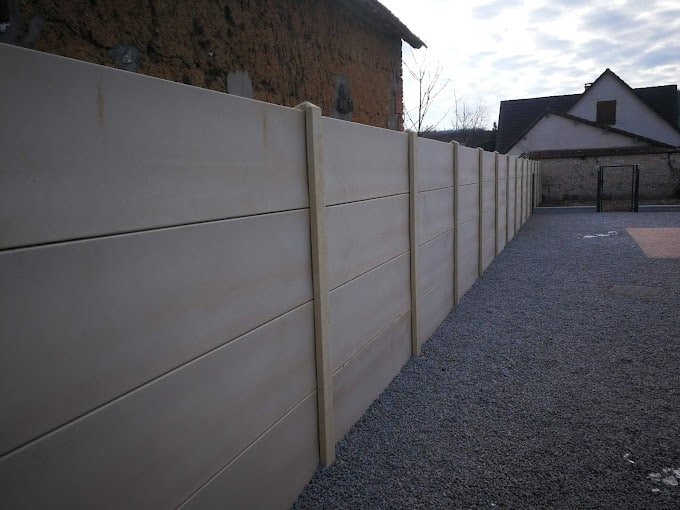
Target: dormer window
[(606, 112)]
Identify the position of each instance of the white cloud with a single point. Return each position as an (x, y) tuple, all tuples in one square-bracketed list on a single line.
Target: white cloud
[(492, 50)]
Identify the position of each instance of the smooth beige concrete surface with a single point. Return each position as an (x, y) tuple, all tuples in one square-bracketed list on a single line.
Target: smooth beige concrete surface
[(502, 215), (435, 262), (511, 167), (523, 193), (469, 256), (510, 207), (362, 307), (362, 162), (369, 372), (502, 193), (488, 253), (434, 161), (363, 235), (320, 281), (93, 319), (488, 166), (468, 274), (518, 195), (502, 167), (413, 239), (107, 151), (272, 471), (435, 214), (435, 305), (469, 239), (488, 224), (155, 446), (468, 165), (488, 196), (468, 209), (488, 238)]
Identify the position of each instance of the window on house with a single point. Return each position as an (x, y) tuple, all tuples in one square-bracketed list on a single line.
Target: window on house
[(606, 112)]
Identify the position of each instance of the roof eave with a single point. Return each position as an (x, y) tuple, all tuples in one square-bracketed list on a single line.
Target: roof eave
[(382, 17)]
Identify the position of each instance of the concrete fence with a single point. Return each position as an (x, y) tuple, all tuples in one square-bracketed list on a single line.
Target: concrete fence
[(203, 293)]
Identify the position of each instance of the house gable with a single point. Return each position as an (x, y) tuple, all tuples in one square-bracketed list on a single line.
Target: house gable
[(632, 114), (516, 115), (556, 131)]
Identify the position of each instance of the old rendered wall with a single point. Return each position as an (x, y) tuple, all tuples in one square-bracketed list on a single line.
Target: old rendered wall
[(290, 50), (574, 180), (160, 322)]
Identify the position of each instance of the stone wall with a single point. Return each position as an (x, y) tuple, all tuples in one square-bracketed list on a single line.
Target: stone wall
[(279, 51), (574, 179)]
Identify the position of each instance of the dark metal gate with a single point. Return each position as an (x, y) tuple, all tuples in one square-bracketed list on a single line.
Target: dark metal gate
[(618, 188)]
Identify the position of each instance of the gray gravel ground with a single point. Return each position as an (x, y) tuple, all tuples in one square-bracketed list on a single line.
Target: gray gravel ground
[(554, 384)]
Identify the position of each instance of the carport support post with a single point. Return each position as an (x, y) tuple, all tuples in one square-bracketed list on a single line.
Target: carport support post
[(413, 239), (317, 223)]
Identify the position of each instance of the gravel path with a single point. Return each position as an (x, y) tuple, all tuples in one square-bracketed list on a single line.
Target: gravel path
[(554, 384)]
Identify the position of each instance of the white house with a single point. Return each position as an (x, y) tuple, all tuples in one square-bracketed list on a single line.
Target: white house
[(609, 114)]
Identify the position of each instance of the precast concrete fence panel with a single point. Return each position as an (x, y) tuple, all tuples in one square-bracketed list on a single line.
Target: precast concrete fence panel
[(467, 219), (501, 202), (435, 229), (511, 197), (487, 223)]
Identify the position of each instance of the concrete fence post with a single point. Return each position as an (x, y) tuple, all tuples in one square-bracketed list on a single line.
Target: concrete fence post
[(507, 199), (413, 239), (540, 183), (530, 174), (496, 209), (522, 195), (456, 222), (317, 223), (480, 223), (518, 183)]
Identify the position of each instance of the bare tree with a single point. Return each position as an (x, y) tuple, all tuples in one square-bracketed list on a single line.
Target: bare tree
[(469, 123), (430, 85), (468, 117)]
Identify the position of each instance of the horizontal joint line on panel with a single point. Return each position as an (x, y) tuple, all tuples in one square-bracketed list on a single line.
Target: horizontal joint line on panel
[(469, 220), (434, 189), (161, 228), (404, 193), (246, 448), (431, 289), (436, 237), (367, 271), (370, 341), (439, 282), (129, 392)]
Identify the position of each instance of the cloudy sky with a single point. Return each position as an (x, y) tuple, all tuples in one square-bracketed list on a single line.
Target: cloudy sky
[(509, 49)]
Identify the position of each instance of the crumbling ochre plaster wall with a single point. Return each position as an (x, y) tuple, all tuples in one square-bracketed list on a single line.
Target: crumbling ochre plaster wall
[(291, 50)]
